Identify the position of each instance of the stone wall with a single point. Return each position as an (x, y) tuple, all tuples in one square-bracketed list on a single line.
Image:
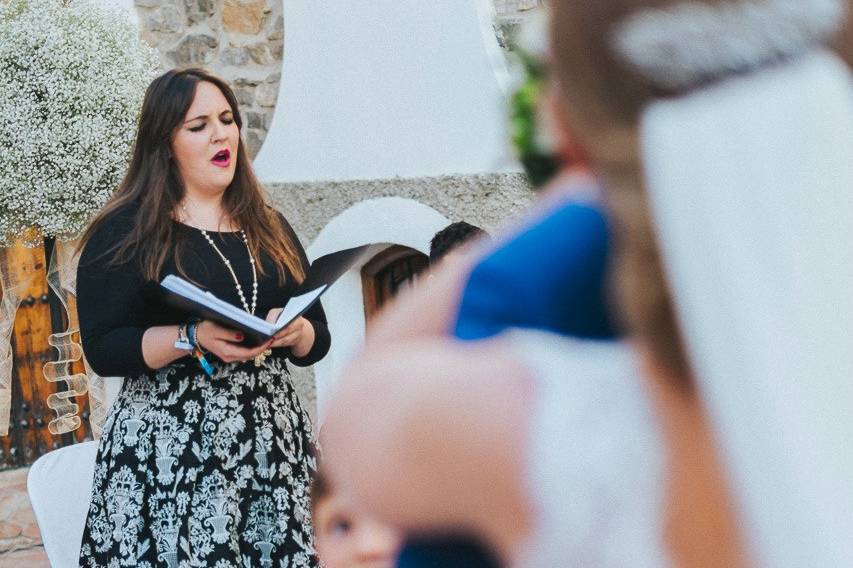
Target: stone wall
[(240, 40), (20, 540), (510, 8), (486, 200), (509, 14)]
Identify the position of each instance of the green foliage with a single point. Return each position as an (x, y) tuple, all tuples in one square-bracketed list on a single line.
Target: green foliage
[(534, 149)]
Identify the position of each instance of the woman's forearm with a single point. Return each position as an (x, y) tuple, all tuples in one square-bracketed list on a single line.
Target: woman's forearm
[(158, 346)]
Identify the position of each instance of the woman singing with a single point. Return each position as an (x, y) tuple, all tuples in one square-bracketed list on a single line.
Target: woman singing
[(206, 454)]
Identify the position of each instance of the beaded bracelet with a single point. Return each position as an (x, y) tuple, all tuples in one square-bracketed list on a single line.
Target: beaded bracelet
[(192, 334), (198, 353)]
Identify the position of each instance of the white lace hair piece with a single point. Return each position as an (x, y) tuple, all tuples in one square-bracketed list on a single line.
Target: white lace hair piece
[(692, 42)]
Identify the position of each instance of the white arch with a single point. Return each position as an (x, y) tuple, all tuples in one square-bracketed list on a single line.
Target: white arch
[(376, 89), (392, 220)]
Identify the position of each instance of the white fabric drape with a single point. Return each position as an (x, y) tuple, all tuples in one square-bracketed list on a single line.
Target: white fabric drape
[(751, 186)]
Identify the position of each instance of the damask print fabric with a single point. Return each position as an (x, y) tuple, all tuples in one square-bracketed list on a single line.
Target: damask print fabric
[(195, 471)]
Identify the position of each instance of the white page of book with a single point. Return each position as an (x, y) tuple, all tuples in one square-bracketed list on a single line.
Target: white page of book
[(297, 305), (189, 290)]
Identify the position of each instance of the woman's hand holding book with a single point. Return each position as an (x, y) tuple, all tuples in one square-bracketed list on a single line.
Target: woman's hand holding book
[(298, 335), (224, 343)]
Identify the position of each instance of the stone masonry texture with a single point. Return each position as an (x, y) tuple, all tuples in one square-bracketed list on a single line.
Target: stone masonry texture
[(20, 540), (239, 40)]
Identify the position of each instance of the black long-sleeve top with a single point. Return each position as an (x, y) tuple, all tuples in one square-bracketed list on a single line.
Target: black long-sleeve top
[(115, 304)]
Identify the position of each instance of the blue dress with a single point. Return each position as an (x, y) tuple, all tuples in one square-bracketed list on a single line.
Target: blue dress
[(549, 276)]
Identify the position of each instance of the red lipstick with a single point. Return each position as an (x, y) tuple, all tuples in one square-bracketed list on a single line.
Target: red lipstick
[(222, 158)]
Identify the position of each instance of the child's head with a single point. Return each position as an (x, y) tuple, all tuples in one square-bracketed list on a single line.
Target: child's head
[(345, 538)]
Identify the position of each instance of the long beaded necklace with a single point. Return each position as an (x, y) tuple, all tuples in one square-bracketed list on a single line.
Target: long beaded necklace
[(259, 360), (234, 275)]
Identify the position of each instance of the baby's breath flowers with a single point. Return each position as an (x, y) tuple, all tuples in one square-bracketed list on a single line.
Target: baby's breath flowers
[(72, 77)]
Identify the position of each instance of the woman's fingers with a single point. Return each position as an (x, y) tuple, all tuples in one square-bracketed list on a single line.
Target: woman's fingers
[(286, 333), (223, 342), (286, 340), (228, 351), (224, 333), (293, 327), (248, 352), (292, 332)]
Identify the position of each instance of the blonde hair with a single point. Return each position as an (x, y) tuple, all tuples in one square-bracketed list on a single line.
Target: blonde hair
[(602, 98)]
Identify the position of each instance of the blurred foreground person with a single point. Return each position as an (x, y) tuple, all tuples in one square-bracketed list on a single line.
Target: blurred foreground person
[(346, 538), (723, 131), (545, 271)]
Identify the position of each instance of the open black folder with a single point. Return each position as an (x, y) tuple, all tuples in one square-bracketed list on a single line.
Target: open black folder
[(200, 303)]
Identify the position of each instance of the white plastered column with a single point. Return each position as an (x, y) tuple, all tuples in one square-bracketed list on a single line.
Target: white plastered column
[(377, 89)]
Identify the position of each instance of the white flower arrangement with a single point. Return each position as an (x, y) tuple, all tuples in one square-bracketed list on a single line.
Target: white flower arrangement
[(72, 77)]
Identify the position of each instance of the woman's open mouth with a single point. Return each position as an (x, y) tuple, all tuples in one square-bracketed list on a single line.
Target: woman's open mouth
[(222, 158)]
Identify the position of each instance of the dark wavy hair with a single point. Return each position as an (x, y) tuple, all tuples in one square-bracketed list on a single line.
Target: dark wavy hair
[(452, 236), (153, 186)]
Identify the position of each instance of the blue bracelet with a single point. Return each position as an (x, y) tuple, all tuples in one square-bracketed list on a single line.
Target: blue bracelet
[(205, 364), (192, 335), (192, 329)]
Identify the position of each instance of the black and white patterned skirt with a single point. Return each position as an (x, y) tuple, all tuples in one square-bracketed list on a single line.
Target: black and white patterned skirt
[(195, 471)]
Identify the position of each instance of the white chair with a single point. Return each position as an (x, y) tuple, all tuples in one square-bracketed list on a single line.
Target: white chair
[(60, 486)]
